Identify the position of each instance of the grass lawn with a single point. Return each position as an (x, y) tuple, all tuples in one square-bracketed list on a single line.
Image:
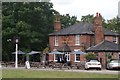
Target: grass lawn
[(24, 73)]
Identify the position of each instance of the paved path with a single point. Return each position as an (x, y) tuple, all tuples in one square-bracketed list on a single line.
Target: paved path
[(71, 70)]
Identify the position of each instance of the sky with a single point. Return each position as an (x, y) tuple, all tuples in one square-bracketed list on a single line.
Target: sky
[(79, 8)]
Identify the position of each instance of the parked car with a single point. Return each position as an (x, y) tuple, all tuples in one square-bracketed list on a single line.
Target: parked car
[(93, 64), (113, 64)]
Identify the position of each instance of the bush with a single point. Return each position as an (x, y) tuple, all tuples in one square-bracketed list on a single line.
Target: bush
[(90, 56)]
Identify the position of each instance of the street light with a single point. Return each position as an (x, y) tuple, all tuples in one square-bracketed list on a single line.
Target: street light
[(16, 40)]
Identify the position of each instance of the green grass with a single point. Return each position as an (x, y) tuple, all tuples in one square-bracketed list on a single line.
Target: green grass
[(24, 73)]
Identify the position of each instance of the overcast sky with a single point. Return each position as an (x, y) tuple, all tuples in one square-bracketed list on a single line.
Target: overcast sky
[(78, 8)]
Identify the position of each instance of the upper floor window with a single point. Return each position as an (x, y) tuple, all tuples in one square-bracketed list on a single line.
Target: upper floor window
[(115, 39), (77, 40), (56, 40)]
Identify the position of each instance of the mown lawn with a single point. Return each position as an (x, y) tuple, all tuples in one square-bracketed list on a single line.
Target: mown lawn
[(24, 73)]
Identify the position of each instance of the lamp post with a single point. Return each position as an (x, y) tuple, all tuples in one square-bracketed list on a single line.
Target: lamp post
[(16, 54), (16, 40)]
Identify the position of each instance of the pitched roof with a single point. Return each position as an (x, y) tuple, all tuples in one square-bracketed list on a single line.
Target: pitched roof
[(64, 48), (81, 28), (109, 32), (106, 46)]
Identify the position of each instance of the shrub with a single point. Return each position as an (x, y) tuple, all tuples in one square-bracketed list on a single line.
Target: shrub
[(90, 56)]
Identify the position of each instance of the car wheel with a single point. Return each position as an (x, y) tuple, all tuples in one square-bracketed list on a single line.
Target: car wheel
[(99, 69), (107, 69), (86, 69)]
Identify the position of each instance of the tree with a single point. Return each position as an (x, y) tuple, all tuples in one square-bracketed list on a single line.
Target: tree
[(67, 20), (88, 18), (113, 24), (32, 22)]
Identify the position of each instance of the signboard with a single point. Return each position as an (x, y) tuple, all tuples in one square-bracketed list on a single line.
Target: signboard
[(27, 65)]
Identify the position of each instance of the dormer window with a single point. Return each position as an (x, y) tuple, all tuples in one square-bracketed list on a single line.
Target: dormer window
[(77, 40), (56, 40), (115, 39)]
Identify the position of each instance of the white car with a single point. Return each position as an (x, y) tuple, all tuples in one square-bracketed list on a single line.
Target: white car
[(114, 64), (93, 64)]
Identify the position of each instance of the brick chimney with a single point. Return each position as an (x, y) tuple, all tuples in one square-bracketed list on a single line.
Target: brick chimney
[(57, 24), (99, 34)]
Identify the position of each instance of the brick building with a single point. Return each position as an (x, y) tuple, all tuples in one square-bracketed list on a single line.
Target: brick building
[(86, 37)]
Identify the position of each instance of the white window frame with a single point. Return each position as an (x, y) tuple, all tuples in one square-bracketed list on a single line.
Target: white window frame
[(75, 55), (75, 58), (68, 56), (77, 40), (56, 40), (55, 58), (115, 38)]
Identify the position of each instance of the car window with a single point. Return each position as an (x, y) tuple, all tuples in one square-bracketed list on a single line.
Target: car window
[(115, 61), (93, 60)]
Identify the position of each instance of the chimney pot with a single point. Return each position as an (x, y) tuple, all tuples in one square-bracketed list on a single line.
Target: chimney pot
[(97, 14)]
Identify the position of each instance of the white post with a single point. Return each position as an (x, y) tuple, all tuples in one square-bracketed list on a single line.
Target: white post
[(16, 55)]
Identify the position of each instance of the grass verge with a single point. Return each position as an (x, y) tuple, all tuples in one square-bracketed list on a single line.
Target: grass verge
[(24, 73)]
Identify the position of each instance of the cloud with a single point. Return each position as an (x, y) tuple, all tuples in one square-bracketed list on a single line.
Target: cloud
[(61, 2), (119, 9), (78, 8)]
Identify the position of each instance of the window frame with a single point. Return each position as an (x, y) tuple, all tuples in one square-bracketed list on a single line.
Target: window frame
[(56, 55), (77, 40), (76, 55), (56, 41), (115, 39), (68, 56)]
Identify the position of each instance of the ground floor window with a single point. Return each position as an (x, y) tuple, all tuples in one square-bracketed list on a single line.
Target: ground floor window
[(58, 57), (68, 56), (77, 57), (62, 57)]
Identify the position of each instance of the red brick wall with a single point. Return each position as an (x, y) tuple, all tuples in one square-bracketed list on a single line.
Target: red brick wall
[(109, 38), (102, 58), (84, 41), (51, 42), (71, 42), (115, 55), (51, 57), (72, 57), (82, 57)]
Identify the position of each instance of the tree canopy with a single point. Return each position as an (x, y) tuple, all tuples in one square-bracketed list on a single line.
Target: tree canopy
[(32, 22), (67, 20)]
